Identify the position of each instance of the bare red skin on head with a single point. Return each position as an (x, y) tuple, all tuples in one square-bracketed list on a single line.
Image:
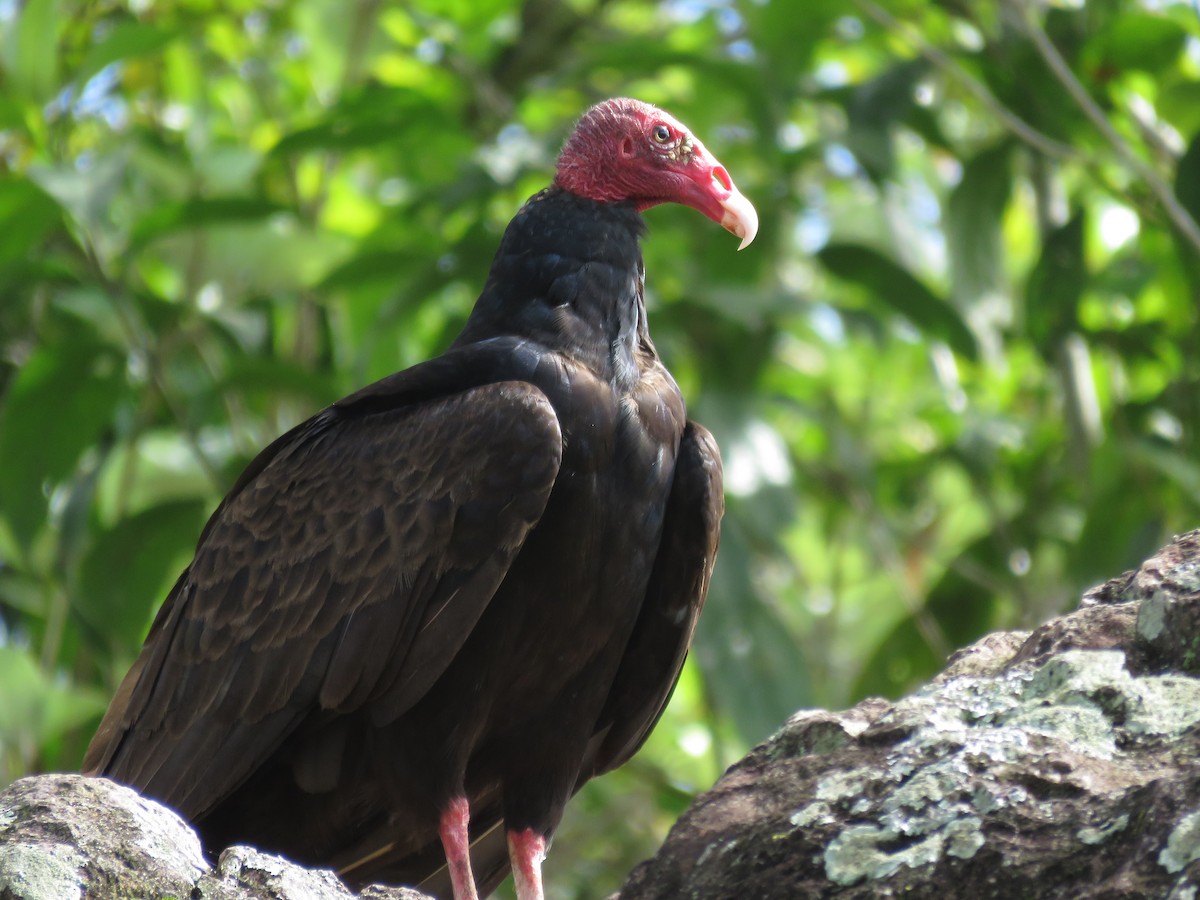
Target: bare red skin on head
[(608, 156), (625, 150)]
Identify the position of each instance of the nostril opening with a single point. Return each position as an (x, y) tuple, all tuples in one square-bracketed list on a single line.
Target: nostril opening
[(721, 177)]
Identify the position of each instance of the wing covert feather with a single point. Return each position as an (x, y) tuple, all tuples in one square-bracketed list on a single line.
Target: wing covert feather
[(348, 570)]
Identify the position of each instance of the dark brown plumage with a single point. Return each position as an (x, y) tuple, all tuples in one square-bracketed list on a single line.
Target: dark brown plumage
[(465, 589)]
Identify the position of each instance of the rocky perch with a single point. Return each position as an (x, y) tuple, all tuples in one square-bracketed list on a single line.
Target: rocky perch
[(1062, 763), (1058, 763), (67, 837)]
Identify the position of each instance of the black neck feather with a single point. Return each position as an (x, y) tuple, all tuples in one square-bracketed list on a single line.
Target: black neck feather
[(568, 275)]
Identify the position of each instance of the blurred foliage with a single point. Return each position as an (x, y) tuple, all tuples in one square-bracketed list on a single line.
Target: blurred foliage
[(955, 379)]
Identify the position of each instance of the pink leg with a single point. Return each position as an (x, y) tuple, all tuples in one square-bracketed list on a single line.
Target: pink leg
[(526, 850), (456, 841)]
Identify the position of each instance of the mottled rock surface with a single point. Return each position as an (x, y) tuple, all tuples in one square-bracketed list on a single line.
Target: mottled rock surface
[(1061, 763), (67, 837)]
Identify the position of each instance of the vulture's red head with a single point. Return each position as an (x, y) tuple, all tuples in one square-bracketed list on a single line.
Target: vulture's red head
[(626, 150)]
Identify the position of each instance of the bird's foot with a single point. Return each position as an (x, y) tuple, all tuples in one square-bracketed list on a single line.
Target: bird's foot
[(526, 850)]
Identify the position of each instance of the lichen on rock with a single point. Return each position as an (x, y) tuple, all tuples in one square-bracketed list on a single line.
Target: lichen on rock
[(1058, 763)]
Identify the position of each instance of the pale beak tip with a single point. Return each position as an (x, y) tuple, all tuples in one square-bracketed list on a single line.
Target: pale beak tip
[(740, 218)]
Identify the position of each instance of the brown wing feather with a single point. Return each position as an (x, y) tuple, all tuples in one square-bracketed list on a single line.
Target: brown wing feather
[(353, 564)]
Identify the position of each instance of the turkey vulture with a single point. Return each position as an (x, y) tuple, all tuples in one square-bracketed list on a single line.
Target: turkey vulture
[(422, 619)]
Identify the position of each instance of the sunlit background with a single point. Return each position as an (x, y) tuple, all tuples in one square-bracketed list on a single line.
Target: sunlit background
[(955, 379)]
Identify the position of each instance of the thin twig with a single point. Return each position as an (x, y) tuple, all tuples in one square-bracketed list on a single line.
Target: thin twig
[(1179, 216), (974, 86)]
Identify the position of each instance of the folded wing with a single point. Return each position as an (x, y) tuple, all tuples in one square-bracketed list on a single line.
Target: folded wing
[(346, 569)]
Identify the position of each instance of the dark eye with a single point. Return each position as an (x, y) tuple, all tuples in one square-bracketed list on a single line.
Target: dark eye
[(662, 133)]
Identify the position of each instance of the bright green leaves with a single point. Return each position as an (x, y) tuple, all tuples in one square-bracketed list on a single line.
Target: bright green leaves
[(39, 711), (126, 40), (1135, 40), (892, 285), (31, 49), (198, 213), (60, 405)]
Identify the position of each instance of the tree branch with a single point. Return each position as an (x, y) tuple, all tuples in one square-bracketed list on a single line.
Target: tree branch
[(973, 85), (1179, 216)]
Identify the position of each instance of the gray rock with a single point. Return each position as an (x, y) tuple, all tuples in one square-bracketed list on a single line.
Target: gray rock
[(1054, 764), (67, 836)]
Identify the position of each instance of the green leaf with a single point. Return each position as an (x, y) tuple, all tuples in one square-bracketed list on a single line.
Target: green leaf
[(275, 379), (1187, 178), (198, 212), (372, 267), (1056, 285), (752, 665), (873, 110), (900, 290), (33, 708), (974, 215), (12, 114), (34, 63), (1135, 41), (87, 193), (21, 593), (129, 567), (27, 215), (365, 118), (901, 660), (60, 403), (1178, 467), (268, 257), (125, 41), (160, 465), (955, 605), (1179, 104)]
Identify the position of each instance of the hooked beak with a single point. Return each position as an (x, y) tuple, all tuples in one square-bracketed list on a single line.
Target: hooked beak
[(741, 218), (709, 189)]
